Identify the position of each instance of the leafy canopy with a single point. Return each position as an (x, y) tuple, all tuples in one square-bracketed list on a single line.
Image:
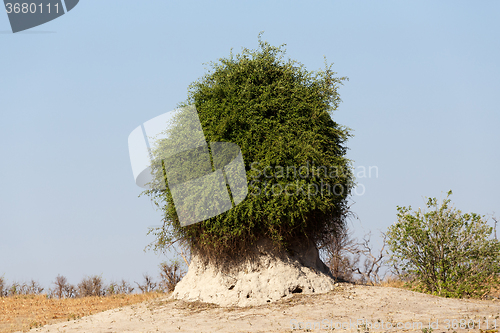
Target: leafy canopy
[(279, 114), (450, 253)]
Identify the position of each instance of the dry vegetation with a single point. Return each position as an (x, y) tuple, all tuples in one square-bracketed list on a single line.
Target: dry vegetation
[(24, 306), (23, 312)]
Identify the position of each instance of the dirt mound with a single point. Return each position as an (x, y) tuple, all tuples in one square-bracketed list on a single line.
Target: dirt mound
[(264, 276), (348, 308)]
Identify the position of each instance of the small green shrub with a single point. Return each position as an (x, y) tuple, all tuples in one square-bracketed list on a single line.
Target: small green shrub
[(449, 253)]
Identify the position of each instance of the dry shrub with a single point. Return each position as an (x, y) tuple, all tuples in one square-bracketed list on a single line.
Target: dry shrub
[(91, 286), (20, 288), (123, 287), (63, 289), (14, 289), (170, 275), (3, 287), (148, 285), (337, 255), (32, 288), (353, 261)]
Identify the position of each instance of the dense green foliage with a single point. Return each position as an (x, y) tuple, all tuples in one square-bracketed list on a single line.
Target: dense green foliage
[(280, 116), (449, 253)]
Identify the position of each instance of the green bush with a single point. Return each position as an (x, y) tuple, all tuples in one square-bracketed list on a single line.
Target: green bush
[(279, 114), (447, 252)]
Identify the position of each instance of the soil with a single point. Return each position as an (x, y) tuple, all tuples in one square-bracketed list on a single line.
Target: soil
[(263, 275), (380, 309)]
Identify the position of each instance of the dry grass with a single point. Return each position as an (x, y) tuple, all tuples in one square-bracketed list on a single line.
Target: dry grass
[(393, 282), (22, 313)]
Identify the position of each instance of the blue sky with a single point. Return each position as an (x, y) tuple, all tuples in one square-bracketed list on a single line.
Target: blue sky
[(422, 99)]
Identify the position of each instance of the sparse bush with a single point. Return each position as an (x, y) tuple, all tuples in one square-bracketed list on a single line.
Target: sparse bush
[(14, 289), (61, 283), (112, 289), (170, 275), (91, 286), (148, 285), (449, 253), (336, 255), (63, 289), (71, 291), (32, 288), (373, 263), (123, 287), (18, 288), (3, 287), (343, 255)]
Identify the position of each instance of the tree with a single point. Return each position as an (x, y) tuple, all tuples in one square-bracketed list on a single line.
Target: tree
[(447, 252), (336, 255), (279, 114), (343, 255), (170, 273)]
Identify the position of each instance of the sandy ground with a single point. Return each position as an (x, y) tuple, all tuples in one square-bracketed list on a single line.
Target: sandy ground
[(382, 309)]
